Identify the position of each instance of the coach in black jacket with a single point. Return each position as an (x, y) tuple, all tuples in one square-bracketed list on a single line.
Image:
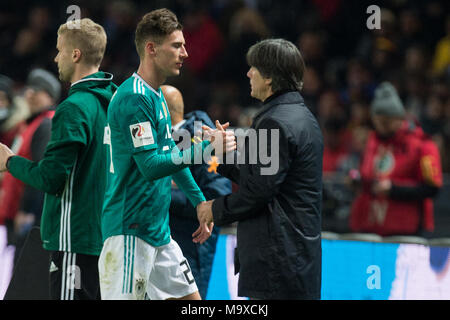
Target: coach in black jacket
[(278, 234)]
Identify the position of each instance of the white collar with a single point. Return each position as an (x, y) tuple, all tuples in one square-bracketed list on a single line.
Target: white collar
[(146, 84), (109, 78)]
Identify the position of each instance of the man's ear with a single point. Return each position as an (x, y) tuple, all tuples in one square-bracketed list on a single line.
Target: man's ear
[(268, 81), (76, 55), (150, 47)]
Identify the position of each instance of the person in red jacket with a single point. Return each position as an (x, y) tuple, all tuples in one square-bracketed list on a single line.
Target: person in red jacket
[(399, 175), (21, 205)]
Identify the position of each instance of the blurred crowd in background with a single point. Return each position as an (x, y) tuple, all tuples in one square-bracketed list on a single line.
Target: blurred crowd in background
[(345, 60)]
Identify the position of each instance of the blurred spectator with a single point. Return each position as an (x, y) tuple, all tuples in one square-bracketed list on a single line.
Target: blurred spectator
[(31, 40), (433, 117), (327, 8), (246, 27), (222, 105), (399, 174), (332, 118), (312, 87), (21, 204), (329, 105), (411, 29), (385, 57), (446, 138), (367, 42), (13, 111), (359, 126), (336, 150), (379, 46), (415, 91), (203, 38), (416, 60), (359, 84), (441, 59), (312, 46), (359, 114), (120, 24)]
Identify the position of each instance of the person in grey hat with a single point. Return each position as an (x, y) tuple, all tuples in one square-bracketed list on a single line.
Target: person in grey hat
[(44, 89), (387, 110)]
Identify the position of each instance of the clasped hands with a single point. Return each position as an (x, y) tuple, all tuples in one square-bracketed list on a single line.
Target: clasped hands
[(223, 142)]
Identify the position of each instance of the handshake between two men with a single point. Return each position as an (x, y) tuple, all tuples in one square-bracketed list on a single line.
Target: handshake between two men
[(222, 141)]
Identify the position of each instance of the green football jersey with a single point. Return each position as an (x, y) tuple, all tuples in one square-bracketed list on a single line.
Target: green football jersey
[(138, 122)]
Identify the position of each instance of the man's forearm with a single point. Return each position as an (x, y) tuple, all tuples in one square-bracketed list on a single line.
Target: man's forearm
[(50, 173), (187, 184), (39, 175), (154, 165), (237, 206)]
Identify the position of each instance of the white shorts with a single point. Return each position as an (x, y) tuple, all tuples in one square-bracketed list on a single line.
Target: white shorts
[(131, 269)]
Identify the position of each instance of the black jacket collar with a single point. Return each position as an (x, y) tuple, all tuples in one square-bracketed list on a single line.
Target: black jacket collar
[(279, 97)]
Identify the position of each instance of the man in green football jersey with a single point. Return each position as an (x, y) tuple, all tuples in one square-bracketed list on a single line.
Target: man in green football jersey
[(139, 258), (72, 171)]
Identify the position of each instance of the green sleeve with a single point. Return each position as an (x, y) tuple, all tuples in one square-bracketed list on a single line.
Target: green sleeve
[(69, 134), (154, 165), (185, 181), (49, 174)]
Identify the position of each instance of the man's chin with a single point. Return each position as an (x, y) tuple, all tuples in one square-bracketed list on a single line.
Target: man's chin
[(174, 73), (62, 77)]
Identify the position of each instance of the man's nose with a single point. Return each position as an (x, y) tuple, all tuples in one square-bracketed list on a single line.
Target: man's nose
[(184, 53)]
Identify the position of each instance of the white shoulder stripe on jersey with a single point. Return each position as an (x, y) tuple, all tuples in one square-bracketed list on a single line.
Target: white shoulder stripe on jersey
[(138, 86), (136, 76)]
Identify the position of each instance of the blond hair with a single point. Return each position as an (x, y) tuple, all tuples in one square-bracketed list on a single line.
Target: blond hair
[(87, 36)]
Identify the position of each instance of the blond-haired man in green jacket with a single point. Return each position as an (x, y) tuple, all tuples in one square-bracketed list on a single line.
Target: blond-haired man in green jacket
[(72, 171)]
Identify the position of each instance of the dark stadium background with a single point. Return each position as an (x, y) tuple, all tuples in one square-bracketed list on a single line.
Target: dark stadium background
[(345, 61), (338, 48)]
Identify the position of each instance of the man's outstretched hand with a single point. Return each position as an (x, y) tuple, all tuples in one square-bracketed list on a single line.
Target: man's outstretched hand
[(205, 219)]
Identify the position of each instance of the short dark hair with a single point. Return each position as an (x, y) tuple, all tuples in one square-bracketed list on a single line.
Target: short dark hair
[(154, 26), (280, 60)]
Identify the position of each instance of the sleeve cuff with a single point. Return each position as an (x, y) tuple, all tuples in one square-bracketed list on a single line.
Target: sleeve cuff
[(217, 211), (8, 162), (199, 198)]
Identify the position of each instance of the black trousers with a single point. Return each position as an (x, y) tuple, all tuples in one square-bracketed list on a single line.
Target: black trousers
[(74, 276)]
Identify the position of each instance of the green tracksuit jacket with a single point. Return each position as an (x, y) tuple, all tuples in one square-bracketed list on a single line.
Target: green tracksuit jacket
[(72, 171)]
